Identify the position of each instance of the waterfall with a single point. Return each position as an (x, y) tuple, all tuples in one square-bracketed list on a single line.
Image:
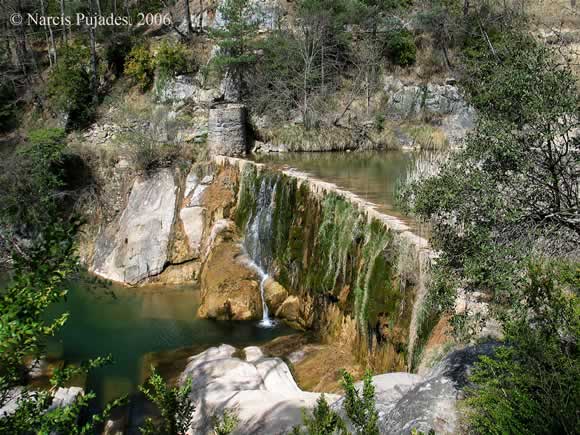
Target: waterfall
[(258, 240)]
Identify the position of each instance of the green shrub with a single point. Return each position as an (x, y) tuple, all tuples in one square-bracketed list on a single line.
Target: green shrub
[(174, 405), (401, 48), (323, 421), (225, 424), (532, 383), (361, 410), (140, 66), (31, 178), (171, 60), (69, 85)]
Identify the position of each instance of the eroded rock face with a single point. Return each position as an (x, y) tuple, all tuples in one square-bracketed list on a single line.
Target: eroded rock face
[(457, 117), (230, 288), (261, 390), (136, 247)]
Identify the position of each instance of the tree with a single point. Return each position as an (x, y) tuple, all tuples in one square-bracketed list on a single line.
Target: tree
[(70, 87), (506, 218), (237, 44)]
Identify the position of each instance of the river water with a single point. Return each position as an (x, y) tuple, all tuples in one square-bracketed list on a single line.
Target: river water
[(128, 324)]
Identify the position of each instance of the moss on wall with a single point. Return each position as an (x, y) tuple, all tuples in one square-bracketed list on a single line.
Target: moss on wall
[(322, 244)]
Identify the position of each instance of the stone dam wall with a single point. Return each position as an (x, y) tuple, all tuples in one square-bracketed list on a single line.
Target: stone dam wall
[(335, 264)]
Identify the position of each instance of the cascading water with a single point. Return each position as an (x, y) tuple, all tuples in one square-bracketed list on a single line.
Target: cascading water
[(258, 240)]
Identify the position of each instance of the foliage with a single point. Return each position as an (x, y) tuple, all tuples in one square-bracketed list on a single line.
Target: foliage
[(361, 410), (225, 424), (401, 48), (324, 421), (532, 383), (236, 42), (140, 66), (148, 155), (38, 281), (512, 190), (173, 403), (171, 59), (501, 206), (69, 85), (31, 179)]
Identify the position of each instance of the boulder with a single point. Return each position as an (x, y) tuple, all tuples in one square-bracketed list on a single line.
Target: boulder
[(136, 246), (62, 397), (230, 289), (274, 294), (432, 403), (261, 391), (227, 130), (296, 313)]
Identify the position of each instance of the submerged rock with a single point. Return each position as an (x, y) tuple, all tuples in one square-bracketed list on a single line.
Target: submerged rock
[(260, 390)]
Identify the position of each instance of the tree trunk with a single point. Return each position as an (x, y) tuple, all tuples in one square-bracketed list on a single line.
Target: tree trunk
[(64, 36), (188, 18), (94, 61), (52, 46), (99, 10), (200, 24)]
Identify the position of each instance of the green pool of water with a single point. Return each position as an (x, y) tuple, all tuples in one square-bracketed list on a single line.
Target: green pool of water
[(128, 324)]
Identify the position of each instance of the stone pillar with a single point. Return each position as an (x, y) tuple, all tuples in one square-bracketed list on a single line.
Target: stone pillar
[(227, 130)]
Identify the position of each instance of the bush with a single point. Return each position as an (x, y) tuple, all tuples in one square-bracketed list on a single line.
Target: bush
[(225, 424), (171, 60), (31, 178), (401, 48), (174, 405), (323, 421), (361, 410), (69, 85), (532, 384), (140, 66)]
